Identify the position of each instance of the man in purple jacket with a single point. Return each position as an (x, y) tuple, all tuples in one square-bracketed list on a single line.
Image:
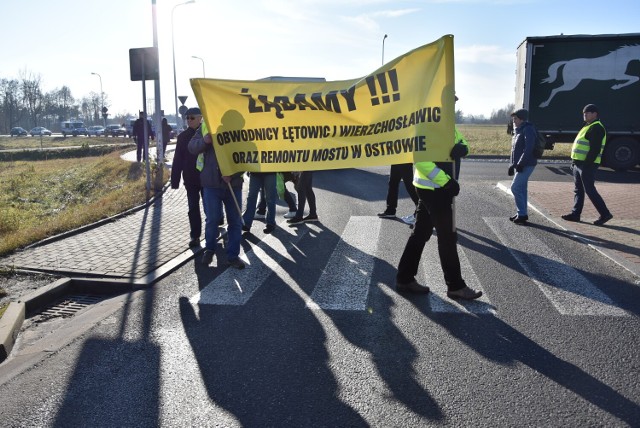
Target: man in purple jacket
[(184, 163)]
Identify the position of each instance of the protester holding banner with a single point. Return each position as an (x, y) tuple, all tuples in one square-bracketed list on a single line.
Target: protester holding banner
[(218, 191), (258, 181), (289, 198), (436, 190), (184, 163), (304, 187), (399, 172)]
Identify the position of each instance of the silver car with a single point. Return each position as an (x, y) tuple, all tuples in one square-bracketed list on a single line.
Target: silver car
[(39, 130)]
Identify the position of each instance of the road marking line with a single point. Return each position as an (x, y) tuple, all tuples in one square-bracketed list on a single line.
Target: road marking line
[(344, 283), (235, 287), (438, 300), (570, 292)]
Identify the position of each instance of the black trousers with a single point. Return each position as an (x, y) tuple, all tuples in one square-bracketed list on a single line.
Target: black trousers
[(194, 194), (399, 172), (434, 209)]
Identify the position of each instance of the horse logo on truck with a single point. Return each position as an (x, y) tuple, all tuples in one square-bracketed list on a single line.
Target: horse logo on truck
[(612, 66)]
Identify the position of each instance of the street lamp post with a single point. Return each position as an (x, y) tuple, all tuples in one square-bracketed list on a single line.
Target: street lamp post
[(175, 86), (197, 57), (383, 39), (104, 118)]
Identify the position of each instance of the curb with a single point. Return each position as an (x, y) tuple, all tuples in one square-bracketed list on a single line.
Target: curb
[(10, 324), (15, 315)]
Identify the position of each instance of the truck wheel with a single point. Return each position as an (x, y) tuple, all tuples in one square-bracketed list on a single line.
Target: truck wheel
[(621, 153)]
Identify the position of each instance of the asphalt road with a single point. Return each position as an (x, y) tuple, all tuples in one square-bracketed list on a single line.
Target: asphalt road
[(312, 333)]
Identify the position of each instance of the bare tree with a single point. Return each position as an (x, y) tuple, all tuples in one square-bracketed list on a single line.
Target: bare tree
[(31, 95), (11, 108)]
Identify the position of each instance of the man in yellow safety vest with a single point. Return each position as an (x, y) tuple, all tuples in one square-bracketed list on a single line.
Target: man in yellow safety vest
[(586, 155)]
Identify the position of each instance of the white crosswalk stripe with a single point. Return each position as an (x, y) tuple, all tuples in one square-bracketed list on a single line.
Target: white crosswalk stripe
[(347, 278), (432, 272), (235, 287), (570, 292), (344, 283)]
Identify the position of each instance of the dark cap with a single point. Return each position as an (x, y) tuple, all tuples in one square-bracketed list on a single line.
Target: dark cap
[(590, 108), (521, 114), (193, 111)]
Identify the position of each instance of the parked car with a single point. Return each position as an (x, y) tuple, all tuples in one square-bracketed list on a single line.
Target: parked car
[(73, 127), (39, 130), (115, 131), (17, 131), (174, 130), (96, 130)]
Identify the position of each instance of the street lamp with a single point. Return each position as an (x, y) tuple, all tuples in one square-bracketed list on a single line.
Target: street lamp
[(383, 39), (175, 86), (197, 57), (104, 118)]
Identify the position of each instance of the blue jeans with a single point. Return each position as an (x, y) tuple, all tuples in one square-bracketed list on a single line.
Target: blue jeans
[(584, 180), (519, 189), (258, 181), (214, 199)]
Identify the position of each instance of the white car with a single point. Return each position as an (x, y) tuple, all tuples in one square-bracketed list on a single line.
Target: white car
[(39, 130), (96, 130)]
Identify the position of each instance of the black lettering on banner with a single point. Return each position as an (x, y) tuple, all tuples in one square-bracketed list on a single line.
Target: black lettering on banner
[(356, 152), (381, 78), (319, 101)]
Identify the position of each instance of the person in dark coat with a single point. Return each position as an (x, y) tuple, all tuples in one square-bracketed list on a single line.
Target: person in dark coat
[(184, 163), (138, 134)]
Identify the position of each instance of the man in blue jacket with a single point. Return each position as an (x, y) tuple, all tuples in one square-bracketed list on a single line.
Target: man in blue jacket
[(522, 163)]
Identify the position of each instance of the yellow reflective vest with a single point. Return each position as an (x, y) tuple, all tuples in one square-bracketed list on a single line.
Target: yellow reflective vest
[(581, 145), (428, 176)]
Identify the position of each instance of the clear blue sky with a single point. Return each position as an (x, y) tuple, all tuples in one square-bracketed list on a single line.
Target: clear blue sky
[(63, 41)]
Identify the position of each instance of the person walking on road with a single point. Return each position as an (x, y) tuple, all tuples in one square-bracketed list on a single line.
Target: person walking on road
[(436, 189), (522, 163), (217, 193), (138, 134), (460, 150), (586, 155), (400, 172), (184, 164), (257, 182), (304, 187)]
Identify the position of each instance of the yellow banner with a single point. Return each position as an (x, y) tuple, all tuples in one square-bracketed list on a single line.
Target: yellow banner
[(401, 113)]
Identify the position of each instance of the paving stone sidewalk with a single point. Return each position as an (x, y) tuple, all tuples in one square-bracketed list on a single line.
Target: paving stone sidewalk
[(619, 239)]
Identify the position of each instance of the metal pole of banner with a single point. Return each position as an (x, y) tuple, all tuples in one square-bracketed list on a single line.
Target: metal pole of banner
[(236, 202), (453, 201)]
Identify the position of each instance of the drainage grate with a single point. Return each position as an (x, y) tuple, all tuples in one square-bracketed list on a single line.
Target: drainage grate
[(68, 306)]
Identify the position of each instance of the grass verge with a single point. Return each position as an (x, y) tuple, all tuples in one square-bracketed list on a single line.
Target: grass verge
[(39, 199)]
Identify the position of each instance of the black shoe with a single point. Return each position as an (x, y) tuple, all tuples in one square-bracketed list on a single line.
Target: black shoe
[(570, 217), (207, 257), (246, 229), (270, 228), (603, 219), (295, 220), (236, 263), (513, 217), (412, 287), (465, 293), (387, 214), (195, 242), (310, 218), (521, 219)]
